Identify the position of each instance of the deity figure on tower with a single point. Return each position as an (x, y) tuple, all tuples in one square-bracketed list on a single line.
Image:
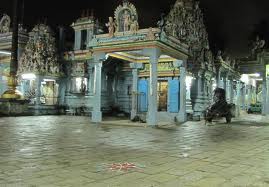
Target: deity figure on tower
[(126, 20), (111, 26)]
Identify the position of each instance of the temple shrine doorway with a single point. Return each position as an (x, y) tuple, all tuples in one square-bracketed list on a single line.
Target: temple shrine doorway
[(116, 88), (162, 95)]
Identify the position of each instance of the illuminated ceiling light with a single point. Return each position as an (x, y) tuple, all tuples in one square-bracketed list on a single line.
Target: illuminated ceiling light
[(28, 76), (5, 52), (49, 80), (245, 78)]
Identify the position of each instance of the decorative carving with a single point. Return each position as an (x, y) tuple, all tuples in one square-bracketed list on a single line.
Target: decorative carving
[(78, 69), (125, 16), (126, 20), (134, 25), (111, 27), (40, 52), (161, 23), (233, 64), (258, 46), (150, 35), (175, 21), (21, 29), (5, 24), (219, 56), (185, 22)]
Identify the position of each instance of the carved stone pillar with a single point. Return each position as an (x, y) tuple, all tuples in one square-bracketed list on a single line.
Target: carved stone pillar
[(153, 95), (198, 97), (238, 98), (90, 69), (68, 78), (77, 40), (37, 94), (97, 87), (244, 97), (267, 97), (231, 91), (62, 90), (182, 115), (249, 92), (225, 84), (89, 35), (135, 67), (219, 82)]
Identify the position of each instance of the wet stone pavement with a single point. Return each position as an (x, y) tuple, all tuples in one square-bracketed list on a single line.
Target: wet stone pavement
[(69, 151)]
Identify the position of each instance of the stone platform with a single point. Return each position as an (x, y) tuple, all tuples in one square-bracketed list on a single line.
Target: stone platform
[(13, 107)]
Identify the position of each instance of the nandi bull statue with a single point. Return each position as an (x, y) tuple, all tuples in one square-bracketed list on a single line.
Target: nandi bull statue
[(220, 107)]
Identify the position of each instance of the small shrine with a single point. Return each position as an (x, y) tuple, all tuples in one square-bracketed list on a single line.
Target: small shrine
[(146, 63), (40, 54), (40, 71)]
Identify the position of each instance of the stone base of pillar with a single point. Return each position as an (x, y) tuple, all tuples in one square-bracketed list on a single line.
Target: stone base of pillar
[(237, 111), (200, 103), (189, 109), (151, 120), (96, 116), (182, 117), (133, 114)]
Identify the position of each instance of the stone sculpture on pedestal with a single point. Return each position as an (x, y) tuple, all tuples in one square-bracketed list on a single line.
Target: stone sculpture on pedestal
[(5, 24), (111, 27)]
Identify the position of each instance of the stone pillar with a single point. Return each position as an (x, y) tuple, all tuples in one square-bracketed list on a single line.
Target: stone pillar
[(68, 86), (249, 91), (182, 115), (232, 91), (135, 67), (210, 90), (229, 90), (225, 84), (219, 79), (153, 95), (199, 84), (61, 91), (244, 97), (197, 96), (89, 35), (37, 95), (1, 85), (189, 86), (90, 77), (68, 79), (267, 96), (97, 87), (77, 40), (238, 98), (38, 91)]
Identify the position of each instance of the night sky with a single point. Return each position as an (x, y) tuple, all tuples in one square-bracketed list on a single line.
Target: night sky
[(230, 23)]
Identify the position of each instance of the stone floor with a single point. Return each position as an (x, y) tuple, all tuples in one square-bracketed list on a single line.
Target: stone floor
[(69, 151)]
